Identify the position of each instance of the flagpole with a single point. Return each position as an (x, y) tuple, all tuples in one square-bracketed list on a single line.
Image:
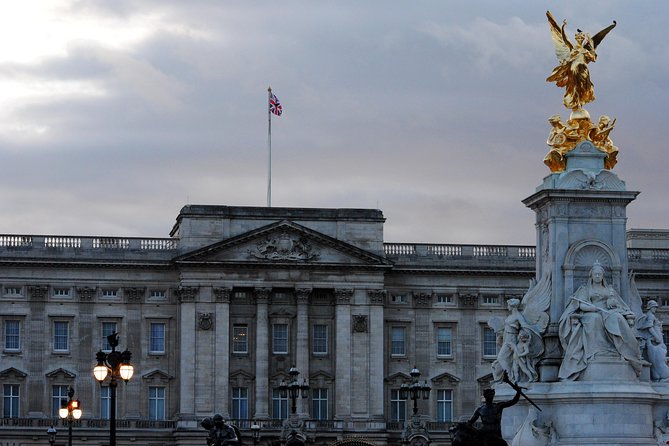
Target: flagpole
[(269, 149)]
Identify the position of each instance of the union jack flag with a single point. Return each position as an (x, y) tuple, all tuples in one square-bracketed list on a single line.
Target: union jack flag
[(274, 105)]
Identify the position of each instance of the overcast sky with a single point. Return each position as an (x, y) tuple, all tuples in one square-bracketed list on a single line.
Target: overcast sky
[(115, 114)]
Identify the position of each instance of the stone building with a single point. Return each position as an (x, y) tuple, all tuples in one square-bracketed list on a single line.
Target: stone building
[(216, 314)]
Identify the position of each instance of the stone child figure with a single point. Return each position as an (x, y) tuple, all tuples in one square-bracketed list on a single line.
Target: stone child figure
[(653, 347), (220, 432), (596, 323), (490, 414)]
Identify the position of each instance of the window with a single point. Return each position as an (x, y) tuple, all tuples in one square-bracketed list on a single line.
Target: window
[(664, 301), (444, 341), (61, 292), (490, 300), (240, 339), (319, 407), (105, 402), (58, 397), (280, 338), (398, 299), (156, 403), (489, 342), (13, 291), (157, 338), (320, 339), (279, 405), (665, 337), (157, 294), (444, 405), (444, 299), (109, 294), (397, 337), (240, 403), (107, 329), (61, 340), (12, 335), (10, 401), (398, 406)]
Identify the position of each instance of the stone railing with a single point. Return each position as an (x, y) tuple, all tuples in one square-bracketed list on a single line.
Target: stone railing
[(88, 243), (90, 423), (433, 250)]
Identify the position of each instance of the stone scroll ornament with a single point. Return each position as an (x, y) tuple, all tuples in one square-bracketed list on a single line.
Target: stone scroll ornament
[(573, 75), (520, 334)]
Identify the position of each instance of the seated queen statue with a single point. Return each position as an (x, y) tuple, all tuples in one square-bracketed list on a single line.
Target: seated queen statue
[(596, 323)]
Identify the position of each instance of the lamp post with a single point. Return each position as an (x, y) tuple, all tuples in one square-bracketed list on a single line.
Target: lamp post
[(51, 435), (70, 411), (415, 389), (294, 388), (116, 365), (255, 432)]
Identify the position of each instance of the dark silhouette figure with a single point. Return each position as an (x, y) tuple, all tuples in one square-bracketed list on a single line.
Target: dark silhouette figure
[(220, 432)]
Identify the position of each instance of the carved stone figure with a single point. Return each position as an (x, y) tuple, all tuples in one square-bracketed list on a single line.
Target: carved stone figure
[(600, 137), (596, 323), (520, 334), (572, 73), (531, 433), (653, 347)]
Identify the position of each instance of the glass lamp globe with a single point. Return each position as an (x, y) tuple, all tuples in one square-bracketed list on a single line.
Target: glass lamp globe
[(126, 371), (100, 372)]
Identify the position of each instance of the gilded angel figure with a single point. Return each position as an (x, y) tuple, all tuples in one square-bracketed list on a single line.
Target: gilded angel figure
[(572, 72), (520, 333)]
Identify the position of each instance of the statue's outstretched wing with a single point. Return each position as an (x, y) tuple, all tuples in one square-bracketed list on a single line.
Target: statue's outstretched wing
[(536, 302), (562, 44), (597, 38)]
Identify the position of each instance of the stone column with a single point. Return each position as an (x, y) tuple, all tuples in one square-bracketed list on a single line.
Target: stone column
[(262, 354), (222, 352), (376, 350), (343, 354), (39, 344), (187, 344), (302, 344)]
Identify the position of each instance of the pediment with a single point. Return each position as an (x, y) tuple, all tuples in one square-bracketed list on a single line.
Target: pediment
[(157, 375), (398, 378), (445, 378), (61, 373), (284, 242), (12, 373)]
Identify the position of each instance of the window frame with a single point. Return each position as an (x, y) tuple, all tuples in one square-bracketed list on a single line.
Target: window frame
[(239, 403), (319, 403), (276, 339), (236, 342), (8, 336), (151, 350), (280, 403), (57, 400), (13, 409), (105, 402), (398, 406), (105, 347), (320, 341), (57, 337), (156, 412), (440, 414), (394, 342), (488, 342), (438, 329)]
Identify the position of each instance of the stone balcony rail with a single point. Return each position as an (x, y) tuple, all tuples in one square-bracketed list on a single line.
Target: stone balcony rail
[(86, 423)]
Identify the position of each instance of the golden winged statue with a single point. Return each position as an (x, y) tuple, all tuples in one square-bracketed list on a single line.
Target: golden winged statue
[(572, 73)]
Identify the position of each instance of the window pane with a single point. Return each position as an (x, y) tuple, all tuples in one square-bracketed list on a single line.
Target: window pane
[(489, 342), (156, 403), (320, 339), (397, 406), (58, 397), (105, 402), (10, 407), (444, 405), (444, 341), (280, 338), (320, 404), (107, 329), (60, 336), (240, 403), (397, 341), (240, 339), (12, 335), (279, 405), (157, 341)]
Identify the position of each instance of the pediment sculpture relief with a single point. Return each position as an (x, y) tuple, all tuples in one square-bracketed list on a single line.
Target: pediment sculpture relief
[(284, 246)]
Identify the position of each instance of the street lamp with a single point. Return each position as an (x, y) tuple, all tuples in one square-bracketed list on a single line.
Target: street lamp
[(70, 410), (415, 390), (294, 388), (116, 365), (51, 434), (255, 431)]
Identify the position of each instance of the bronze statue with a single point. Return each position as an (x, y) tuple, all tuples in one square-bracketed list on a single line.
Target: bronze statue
[(573, 73), (490, 413), (220, 432)]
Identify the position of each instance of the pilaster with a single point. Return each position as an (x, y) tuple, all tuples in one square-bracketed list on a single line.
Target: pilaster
[(302, 343), (262, 354), (376, 351), (343, 354), (222, 351)]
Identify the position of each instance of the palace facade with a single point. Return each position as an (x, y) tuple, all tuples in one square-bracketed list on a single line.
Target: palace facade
[(216, 315)]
